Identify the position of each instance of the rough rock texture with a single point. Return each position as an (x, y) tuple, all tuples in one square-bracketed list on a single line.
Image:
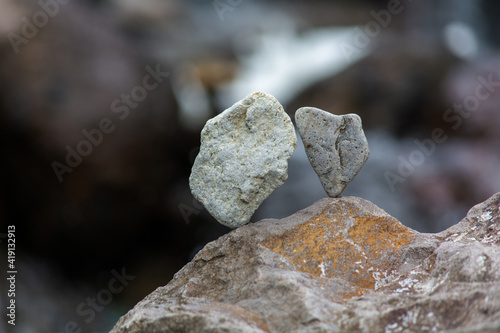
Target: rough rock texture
[(335, 145), (341, 265), (243, 158)]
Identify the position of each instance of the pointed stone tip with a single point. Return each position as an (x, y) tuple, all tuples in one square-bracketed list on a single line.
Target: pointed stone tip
[(259, 95)]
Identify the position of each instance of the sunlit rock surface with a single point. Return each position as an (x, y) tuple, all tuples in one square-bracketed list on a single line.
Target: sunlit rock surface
[(342, 264)]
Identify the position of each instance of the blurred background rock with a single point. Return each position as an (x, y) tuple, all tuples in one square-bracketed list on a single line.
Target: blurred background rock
[(128, 204)]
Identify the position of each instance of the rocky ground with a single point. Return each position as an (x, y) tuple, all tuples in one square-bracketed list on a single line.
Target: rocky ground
[(340, 265)]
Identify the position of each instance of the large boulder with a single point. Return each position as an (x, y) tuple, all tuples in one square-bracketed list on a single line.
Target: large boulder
[(341, 265)]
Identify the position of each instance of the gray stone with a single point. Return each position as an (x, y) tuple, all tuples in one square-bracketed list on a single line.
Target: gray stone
[(243, 158), (335, 145), (341, 265)]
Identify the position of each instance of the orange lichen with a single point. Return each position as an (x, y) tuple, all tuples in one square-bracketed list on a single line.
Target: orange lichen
[(342, 242)]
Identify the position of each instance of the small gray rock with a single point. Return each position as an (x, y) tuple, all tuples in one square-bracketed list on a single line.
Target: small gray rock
[(243, 158), (335, 145)]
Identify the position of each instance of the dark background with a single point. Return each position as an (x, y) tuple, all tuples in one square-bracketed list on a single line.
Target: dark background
[(127, 205)]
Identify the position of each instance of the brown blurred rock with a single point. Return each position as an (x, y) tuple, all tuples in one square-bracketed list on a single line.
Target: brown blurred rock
[(342, 264), (63, 83)]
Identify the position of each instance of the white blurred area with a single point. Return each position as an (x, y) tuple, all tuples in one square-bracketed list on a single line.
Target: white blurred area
[(281, 64), (285, 63), (461, 40)]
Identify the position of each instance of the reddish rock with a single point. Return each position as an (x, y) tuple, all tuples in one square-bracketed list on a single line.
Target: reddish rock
[(342, 264)]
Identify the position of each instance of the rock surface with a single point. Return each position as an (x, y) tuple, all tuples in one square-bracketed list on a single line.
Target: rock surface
[(335, 145), (341, 265), (243, 158)]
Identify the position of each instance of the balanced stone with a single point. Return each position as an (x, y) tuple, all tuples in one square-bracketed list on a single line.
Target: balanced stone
[(243, 158), (335, 145)]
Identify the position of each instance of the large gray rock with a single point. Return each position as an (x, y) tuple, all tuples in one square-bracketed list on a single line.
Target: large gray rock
[(243, 158), (335, 145), (341, 265)]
